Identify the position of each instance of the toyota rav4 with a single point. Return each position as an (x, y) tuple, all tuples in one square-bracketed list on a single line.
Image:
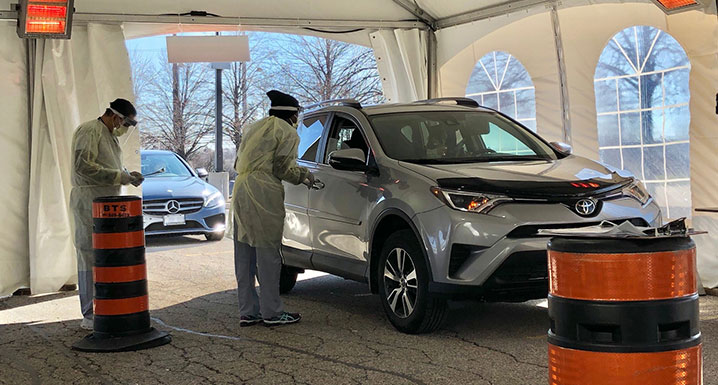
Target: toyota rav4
[(441, 199)]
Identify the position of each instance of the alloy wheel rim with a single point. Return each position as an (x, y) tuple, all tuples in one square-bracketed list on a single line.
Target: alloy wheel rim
[(400, 282)]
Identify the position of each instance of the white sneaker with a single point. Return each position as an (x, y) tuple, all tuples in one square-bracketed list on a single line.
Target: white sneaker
[(87, 324)]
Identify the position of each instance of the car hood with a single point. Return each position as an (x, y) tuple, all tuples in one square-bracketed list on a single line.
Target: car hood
[(175, 187), (570, 176)]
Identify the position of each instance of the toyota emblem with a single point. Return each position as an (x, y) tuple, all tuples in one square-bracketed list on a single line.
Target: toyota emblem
[(172, 207), (585, 207)]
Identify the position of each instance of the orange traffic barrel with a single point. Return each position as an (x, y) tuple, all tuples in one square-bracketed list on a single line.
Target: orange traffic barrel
[(623, 312), (121, 304)]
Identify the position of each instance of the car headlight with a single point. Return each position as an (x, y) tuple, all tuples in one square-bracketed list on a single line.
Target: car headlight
[(470, 202), (213, 200), (638, 191)]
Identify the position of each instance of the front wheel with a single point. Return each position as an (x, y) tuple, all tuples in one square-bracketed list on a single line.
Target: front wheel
[(287, 279), (404, 286), (216, 236)]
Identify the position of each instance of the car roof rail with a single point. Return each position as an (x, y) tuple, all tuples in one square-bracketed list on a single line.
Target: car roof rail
[(334, 102), (460, 101)]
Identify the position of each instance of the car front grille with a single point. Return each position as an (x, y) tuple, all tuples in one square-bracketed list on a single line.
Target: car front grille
[(183, 206), (529, 231), (522, 276), (190, 225)]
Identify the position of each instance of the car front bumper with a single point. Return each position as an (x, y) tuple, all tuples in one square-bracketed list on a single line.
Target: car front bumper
[(501, 255), (205, 221)]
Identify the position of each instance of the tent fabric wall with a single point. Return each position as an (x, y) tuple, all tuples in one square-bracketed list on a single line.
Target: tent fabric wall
[(401, 57), (698, 33), (14, 147), (541, 64), (74, 82), (583, 43)]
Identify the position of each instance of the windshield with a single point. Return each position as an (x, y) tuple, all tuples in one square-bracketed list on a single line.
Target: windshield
[(456, 137), (163, 165)]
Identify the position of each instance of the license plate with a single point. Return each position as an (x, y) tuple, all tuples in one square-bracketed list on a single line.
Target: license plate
[(174, 220)]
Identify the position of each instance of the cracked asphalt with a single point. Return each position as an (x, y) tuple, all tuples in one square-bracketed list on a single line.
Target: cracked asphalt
[(343, 338)]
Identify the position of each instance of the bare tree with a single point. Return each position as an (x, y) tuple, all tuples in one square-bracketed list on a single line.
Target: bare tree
[(641, 50), (143, 71), (244, 89), (178, 108), (320, 69)]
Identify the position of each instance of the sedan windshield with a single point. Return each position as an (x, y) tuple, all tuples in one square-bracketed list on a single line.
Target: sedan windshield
[(163, 165), (446, 137)]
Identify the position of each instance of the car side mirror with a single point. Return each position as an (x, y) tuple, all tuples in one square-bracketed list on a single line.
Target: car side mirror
[(350, 159), (202, 172), (562, 147)]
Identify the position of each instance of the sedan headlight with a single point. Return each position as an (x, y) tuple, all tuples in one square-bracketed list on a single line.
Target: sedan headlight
[(470, 202), (638, 191), (213, 200)]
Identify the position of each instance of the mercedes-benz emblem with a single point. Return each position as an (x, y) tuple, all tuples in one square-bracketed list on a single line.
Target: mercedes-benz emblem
[(585, 207), (172, 207)]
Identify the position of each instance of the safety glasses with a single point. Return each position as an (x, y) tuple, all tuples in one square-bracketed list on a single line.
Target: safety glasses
[(126, 121)]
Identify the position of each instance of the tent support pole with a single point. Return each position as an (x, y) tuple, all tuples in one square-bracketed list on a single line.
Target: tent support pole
[(83, 18), (30, 53), (431, 64), (563, 80)]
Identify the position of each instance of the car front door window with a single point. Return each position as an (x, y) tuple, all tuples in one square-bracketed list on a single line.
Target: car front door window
[(345, 134)]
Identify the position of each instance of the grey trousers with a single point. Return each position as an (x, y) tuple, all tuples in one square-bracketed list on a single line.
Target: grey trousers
[(85, 262), (266, 265), (86, 286)]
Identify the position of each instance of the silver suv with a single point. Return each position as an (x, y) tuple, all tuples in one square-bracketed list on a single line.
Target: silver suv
[(441, 199)]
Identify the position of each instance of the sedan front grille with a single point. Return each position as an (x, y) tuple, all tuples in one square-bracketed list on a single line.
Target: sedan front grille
[(172, 206)]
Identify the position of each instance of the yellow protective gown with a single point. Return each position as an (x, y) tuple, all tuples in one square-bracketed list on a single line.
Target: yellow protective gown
[(96, 172), (266, 157)]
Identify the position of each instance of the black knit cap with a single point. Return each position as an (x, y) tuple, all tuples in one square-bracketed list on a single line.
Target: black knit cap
[(124, 107), (280, 99)]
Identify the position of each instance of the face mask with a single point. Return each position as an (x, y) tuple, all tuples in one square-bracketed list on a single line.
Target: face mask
[(119, 131)]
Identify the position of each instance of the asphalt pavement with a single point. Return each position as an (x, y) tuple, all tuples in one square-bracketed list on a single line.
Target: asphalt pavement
[(344, 337)]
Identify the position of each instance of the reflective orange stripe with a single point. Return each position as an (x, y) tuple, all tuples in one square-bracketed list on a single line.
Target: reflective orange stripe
[(121, 306), (120, 274), (118, 240), (577, 367), (131, 208), (623, 277)]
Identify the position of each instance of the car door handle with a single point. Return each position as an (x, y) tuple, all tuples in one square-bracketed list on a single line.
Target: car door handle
[(318, 185)]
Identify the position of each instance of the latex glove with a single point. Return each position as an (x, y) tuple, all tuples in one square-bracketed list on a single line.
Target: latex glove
[(138, 178), (309, 181), (126, 178)]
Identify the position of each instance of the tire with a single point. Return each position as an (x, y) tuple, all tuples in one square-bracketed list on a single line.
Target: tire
[(287, 279), (213, 237), (425, 313)]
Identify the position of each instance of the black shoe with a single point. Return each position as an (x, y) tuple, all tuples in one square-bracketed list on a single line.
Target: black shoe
[(249, 320), (283, 319)]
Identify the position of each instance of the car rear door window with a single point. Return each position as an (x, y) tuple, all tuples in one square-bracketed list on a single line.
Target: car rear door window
[(310, 131)]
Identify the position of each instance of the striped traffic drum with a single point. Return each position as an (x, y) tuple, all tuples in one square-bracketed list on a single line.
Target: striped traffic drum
[(623, 311), (121, 304)]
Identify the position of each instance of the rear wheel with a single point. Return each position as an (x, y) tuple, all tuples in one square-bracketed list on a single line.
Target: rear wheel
[(404, 286), (287, 279), (216, 236)]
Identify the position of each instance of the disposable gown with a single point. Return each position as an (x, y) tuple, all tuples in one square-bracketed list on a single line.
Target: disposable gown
[(96, 172), (266, 157)]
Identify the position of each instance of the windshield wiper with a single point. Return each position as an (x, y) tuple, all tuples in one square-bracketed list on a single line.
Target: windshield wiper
[(428, 161), (503, 158), (481, 159)]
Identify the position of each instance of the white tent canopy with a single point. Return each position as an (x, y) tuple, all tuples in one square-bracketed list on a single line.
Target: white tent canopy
[(424, 48)]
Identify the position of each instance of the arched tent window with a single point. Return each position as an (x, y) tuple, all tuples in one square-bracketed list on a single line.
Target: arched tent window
[(642, 94), (501, 82)]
